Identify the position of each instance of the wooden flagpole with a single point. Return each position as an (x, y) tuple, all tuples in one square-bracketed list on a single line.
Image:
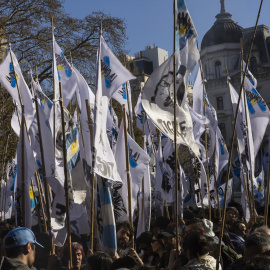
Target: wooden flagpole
[(231, 149), (215, 179), (175, 128), (70, 265), (249, 176), (90, 124), (205, 141), (128, 173), (48, 210), (23, 171), (266, 206), (246, 184)]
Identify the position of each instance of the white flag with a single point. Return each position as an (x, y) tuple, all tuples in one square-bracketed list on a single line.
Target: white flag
[(104, 163), (158, 103), (114, 74), (65, 74), (12, 84)]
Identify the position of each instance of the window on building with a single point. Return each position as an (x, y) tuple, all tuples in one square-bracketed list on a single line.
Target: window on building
[(219, 103), (222, 128), (253, 64), (218, 69)]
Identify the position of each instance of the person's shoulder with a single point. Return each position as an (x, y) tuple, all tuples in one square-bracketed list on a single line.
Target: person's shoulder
[(12, 264)]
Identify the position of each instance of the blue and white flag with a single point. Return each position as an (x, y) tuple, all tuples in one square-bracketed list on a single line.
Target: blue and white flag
[(221, 193), (258, 112), (73, 149), (186, 43), (10, 76), (114, 74), (65, 74), (108, 239)]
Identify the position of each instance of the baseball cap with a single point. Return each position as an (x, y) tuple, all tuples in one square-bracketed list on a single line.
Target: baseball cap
[(20, 236), (170, 231)]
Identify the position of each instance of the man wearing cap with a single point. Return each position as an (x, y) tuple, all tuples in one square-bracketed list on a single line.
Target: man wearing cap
[(19, 245), (169, 240)]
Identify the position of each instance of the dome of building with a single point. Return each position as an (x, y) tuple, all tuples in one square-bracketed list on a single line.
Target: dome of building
[(224, 30)]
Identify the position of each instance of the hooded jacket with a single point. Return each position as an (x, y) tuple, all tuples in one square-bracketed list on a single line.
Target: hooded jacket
[(12, 264)]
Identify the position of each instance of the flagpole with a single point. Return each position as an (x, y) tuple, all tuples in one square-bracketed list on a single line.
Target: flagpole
[(231, 149), (266, 205), (44, 171), (23, 172), (205, 142), (215, 179), (249, 177), (246, 184), (70, 265), (175, 128), (90, 124), (54, 94), (128, 173), (142, 204)]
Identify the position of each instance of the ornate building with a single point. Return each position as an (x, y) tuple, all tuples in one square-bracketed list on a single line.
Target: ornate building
[(220, 51)]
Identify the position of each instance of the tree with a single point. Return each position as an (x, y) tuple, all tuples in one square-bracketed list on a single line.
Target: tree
[(26, 26)]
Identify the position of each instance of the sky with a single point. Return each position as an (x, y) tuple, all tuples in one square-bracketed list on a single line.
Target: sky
[(150, 22)]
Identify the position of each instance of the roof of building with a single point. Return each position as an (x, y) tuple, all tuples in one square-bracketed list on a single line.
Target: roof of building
[(224, 30)]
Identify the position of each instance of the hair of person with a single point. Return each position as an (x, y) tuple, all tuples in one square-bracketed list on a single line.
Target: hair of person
[(235, 211), (259, 240), (236, 225), (74, 247), (145, 237), (258, 263), (197, 221), (263, 229), (226, 238), (196, 243), (100, 261), (15, 252), (124, 262), (212, 246), (125, 224), (162, 222), (258, 223)]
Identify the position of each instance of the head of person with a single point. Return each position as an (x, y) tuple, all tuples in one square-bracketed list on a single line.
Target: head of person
[(127, 262), (232, 214), (258, 263), (239, 228), (257, 243), (208, 227), (157, 244), (169, 238), (124, 233), (144, 242), (160, 224), (195, 245), (194, 224), (98, 261), (263, 229), (19, 244), (77, 254)]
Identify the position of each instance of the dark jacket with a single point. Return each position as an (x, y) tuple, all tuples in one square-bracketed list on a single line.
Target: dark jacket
[(12, 264)]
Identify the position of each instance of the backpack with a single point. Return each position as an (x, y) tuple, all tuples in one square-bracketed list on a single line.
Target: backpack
[(228, 256)]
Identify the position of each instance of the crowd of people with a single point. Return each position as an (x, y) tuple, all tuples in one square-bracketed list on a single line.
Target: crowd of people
[(195, 246)]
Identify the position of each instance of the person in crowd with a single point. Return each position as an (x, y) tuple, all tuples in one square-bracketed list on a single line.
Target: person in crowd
[(263, 229), (197, 251), (20, 246), (258, 263), (98, 261), (144, 244), (232, 215), (238, 235), (125, 262), (257, 243), (158, 248), (77, 255), (43, 259), (124, 234), (170, 244)]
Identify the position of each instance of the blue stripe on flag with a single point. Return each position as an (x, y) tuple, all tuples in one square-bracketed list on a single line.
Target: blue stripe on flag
[(109, 236)]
